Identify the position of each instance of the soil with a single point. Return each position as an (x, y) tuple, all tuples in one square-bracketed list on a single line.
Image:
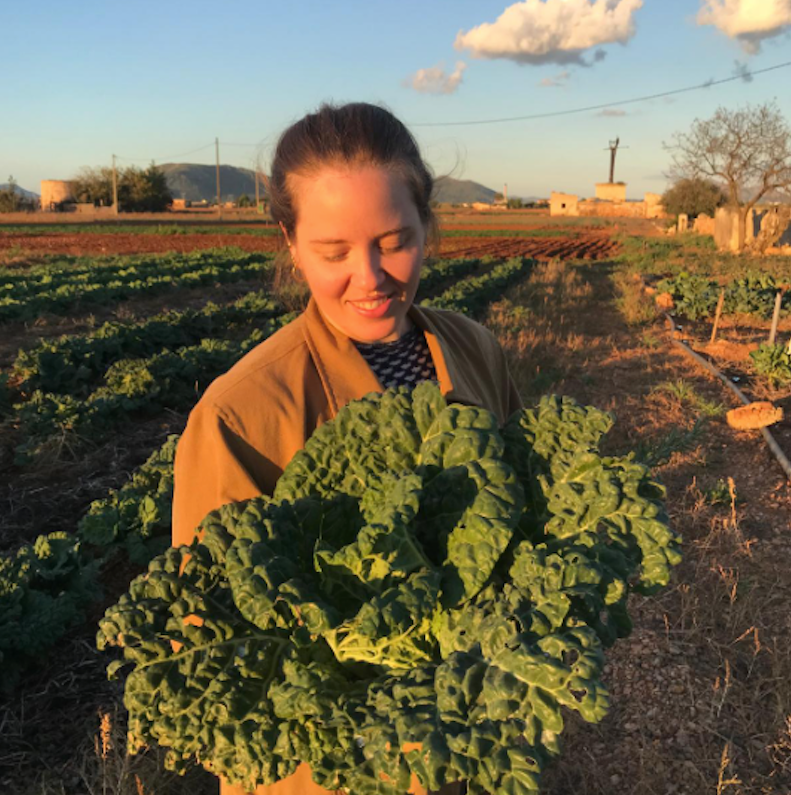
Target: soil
[(33, 247), (587, 246)]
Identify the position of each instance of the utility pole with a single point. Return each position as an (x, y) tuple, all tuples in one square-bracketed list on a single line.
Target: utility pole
[(613, 147), (257, 193), (115, 188), (505, 192), (217, 149), (613, 150)]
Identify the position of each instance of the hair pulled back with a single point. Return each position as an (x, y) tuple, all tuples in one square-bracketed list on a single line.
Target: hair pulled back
[(355, 134)]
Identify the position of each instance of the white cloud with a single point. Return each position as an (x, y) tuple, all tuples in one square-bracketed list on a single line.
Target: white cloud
[(558, 81), (552, 31), (435, 79), (747, 21), (611, 113)]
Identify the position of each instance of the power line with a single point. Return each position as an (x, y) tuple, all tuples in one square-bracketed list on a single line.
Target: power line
[(170, 157), (707, 84)]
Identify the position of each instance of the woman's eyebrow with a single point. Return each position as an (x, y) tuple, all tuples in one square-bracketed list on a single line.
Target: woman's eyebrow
[(329, 241)]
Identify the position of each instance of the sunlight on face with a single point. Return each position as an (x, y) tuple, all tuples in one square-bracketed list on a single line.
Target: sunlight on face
[(358, 242)]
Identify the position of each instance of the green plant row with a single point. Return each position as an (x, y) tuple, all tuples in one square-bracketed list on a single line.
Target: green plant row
[(47, 587), (61, 270), (696, 296), (72, 363), (471, 296), (126, 271), (135, 518), (132, 388), (66, 297)]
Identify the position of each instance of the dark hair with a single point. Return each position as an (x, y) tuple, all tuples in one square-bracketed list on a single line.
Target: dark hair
[(353, 134)]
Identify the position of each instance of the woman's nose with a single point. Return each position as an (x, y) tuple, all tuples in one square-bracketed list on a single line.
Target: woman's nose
[(368, 274)]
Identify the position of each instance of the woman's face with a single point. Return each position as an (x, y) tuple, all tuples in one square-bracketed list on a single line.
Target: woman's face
[(358, 242)]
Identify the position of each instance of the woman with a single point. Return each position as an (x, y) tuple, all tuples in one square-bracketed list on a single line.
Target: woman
[(351, 194)]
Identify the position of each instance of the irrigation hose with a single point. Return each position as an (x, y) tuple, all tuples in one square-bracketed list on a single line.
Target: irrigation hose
[(770, 440)]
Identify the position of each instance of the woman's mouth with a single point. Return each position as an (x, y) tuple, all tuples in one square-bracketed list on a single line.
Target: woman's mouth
[(373, 307)]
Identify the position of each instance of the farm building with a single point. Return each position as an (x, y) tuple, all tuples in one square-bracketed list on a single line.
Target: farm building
[(55, 193), (610, 202), (563, 204), (611, 191)]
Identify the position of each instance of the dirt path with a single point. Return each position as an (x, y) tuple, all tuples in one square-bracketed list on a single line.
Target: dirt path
[(700, 690)]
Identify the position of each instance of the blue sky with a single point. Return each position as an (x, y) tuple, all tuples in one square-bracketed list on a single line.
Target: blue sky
[(154, 81)]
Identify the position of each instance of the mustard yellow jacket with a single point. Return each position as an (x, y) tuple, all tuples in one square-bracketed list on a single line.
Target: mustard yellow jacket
[(251, 421)]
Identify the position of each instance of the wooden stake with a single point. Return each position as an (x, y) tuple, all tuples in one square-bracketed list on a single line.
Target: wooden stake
[(775, 317), (720, 302)]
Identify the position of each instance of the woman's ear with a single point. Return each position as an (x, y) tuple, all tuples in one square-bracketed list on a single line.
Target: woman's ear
[(285, 234)]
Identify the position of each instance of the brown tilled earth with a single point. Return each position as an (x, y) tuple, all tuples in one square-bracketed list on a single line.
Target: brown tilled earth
[(32, 247)]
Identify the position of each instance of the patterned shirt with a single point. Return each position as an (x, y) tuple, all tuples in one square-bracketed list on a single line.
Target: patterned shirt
[(405, 362)]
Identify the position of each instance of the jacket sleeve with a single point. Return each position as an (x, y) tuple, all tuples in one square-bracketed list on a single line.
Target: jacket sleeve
[(211, 468)]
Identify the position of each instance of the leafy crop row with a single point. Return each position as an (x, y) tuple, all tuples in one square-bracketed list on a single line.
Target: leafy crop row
[(64, 270), (66, 296), (473, 295), (696, 296), (72, 363), (133, 387), (135, 518)]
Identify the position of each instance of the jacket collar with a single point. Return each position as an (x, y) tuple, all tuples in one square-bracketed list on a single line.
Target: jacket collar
[(346, 376)]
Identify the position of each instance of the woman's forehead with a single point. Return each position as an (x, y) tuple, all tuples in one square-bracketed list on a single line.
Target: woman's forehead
[(341, 195)]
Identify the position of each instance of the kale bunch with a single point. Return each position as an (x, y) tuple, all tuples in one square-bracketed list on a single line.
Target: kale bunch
[(423, 594)]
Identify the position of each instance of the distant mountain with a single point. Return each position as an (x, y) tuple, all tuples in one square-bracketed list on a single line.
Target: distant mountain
[(460, 191), (25, 194), (196, 183)]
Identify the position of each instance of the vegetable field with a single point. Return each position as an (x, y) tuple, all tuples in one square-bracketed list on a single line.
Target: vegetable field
[(109, 335)]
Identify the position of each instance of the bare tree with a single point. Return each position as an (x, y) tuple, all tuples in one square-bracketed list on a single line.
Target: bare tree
[(748, 150)]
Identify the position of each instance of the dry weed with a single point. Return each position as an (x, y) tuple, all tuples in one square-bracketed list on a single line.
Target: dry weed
[(636, 307)]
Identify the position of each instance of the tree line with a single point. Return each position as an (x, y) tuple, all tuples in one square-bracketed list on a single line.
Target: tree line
[(142, 190)]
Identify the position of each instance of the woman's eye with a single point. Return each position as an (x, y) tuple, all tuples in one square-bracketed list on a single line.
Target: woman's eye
[(392, 249), (334, 257)]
